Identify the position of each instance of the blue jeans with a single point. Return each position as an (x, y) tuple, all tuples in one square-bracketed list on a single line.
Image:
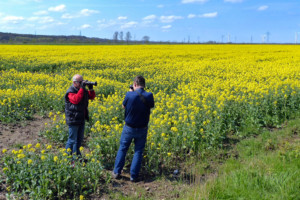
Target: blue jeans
[(139, 135), (75, 138)]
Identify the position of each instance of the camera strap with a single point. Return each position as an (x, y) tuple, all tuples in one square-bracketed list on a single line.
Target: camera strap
[(143, 99)]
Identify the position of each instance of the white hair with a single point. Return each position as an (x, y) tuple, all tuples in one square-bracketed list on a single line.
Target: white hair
[(76, 76)]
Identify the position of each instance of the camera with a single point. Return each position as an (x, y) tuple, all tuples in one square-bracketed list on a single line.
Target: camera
[(131, 87), (91, 83)]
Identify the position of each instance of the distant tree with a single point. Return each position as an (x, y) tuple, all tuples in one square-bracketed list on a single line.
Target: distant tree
[(121, 35), (115, 36), (128, 37), (146, 39)]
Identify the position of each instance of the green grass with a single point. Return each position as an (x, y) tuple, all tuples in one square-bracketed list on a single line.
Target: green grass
[(267, 167)]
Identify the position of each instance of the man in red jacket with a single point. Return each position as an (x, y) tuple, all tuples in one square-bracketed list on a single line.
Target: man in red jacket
[(76, 110)]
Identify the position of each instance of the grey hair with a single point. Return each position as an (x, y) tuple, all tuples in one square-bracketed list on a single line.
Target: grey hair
[(76, 76)]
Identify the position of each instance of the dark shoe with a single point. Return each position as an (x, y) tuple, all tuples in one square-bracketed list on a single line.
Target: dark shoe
[(134, 180), (115, 176)]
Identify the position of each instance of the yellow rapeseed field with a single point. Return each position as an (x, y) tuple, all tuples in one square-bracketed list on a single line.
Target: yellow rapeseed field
[(202, 92)]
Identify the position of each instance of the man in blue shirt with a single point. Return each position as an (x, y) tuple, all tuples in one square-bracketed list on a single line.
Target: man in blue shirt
[(137, 105)]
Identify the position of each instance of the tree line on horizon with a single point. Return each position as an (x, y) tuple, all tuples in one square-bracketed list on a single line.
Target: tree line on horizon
[(118, 38)]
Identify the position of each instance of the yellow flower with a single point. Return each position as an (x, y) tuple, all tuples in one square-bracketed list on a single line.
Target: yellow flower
[(55, 158), (43, 151), (21, 156), (174, 129), (38, 145), (81, 148), (169, 154), (4, 150), (29, 145), (69, 150), (49, 146), (5, 169), (81, 197), (29, 161), (65, 154), (43, 157)]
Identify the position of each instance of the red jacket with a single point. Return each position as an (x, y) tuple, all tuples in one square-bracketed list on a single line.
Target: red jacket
[(76, 98)]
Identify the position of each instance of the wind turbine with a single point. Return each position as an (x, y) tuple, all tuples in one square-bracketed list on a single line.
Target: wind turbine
[(263, 37), (268, 35)]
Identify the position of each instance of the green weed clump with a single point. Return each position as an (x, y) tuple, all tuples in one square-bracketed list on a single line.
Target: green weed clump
[(46, 173)]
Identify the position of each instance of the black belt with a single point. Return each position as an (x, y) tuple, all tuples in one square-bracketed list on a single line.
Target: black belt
[(134, 126)]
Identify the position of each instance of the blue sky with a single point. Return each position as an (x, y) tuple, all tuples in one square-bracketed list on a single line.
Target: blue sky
[(162, 20)]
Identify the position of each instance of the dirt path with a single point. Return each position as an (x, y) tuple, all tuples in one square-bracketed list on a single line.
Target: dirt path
[(13, 136)]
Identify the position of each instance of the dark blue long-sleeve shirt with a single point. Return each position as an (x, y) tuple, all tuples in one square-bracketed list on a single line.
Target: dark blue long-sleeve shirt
[(136, 112)]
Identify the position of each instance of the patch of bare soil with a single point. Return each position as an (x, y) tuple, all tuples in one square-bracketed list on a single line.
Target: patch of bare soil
[(169, 187), (14, 136)]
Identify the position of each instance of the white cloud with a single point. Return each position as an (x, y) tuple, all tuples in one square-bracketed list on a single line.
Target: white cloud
[(12, 19), (261, 8), (87, 12), (84, 26), (234, 1), (103, 23), (129, 25), (166, 27), (33, 18), (122, 18), (41, 20), (42, 12), (59, 8), (169, 19), (68, 16), (51, 25), (209, 15), (160, 6), (150, 17), (190, 16), (193, 1), (45, 20), (82, 13)]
